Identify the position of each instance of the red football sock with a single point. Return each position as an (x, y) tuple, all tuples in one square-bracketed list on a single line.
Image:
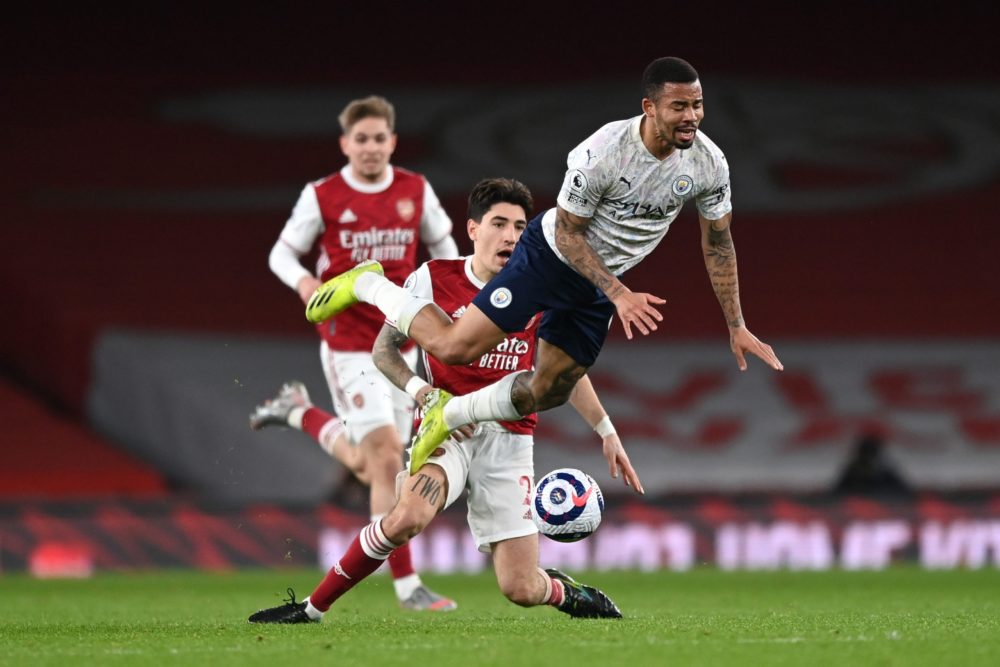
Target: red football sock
[(367, 552), (401, 563), (313, 421)]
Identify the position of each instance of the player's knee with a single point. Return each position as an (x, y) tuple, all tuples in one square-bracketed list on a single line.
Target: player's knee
[(406, 521)]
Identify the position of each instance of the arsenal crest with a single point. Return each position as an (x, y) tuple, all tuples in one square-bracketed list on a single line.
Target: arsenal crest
[(406, 209)]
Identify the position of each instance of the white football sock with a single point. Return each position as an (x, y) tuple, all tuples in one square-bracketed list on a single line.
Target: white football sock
[(409, 311), (365, 283), (328, 435), (406, 585), (487, 404), (398, 305), (312, 612), (374, 542), (295, 417)]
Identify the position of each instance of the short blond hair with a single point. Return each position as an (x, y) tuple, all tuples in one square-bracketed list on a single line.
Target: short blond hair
[(373, 106)]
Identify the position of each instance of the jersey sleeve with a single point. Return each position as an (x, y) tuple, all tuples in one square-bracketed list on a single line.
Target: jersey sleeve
[(305, 224), (284, 263), (435, 225), (419, 284), (587, 177), (714, 202)]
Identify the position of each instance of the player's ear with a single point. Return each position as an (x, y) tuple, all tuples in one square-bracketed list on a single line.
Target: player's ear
[(648, 107), (343, 144), (472, 227)]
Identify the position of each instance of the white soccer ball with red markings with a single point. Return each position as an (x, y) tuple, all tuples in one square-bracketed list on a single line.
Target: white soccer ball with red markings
[(567, 505)]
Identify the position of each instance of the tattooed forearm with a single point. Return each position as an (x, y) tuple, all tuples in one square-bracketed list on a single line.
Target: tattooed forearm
[(571, 240), (720, 261), (385, 354), (427, 488)]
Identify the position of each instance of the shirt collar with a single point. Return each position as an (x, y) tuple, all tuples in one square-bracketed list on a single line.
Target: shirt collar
[(367, 188)]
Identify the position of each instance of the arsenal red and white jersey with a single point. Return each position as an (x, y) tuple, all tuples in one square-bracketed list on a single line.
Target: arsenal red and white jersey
[(355, 221), (451, 284)]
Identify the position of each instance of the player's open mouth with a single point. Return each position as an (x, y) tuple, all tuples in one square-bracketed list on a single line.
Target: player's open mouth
[(686, 133), (504, 255)]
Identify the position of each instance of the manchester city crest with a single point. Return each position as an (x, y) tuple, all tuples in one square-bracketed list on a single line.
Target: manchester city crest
[(501, 297), (682, 185)]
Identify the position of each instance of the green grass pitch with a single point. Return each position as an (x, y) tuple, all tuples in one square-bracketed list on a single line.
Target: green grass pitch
[(706, 617)]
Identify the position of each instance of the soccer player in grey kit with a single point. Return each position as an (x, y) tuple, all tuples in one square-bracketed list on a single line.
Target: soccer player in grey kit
[(624, 186)]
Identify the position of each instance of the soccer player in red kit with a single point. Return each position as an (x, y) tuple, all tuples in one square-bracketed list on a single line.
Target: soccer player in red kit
[(495, 464), (369, 210)]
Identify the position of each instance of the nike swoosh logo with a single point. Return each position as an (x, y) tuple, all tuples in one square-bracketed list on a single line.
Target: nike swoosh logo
[(580, 501)]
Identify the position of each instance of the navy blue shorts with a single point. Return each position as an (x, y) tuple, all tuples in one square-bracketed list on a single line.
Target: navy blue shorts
[(577, 314)]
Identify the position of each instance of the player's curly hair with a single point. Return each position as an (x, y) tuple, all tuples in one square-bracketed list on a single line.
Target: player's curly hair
[(373, 106), (491, 191), (666, 70)]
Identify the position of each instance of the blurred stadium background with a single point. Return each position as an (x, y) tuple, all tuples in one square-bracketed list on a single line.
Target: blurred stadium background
[(152, 156)]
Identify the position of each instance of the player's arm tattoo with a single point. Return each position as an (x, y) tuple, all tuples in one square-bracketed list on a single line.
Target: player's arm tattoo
[(388, 359), (720, 261), (427, 488), (571, 240)]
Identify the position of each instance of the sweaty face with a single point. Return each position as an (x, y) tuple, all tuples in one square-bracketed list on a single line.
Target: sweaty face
[(368, 146), (494, 238), (676, 113)]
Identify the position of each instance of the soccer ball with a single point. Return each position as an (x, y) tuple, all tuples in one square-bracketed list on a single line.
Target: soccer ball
[(567, 505)]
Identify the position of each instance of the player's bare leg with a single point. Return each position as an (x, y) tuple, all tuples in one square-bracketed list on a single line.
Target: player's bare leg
[(350, 456), (508, 399), (421, 497), (550, 384), (515, 563), (452, 342), (523, 583), (292, 408), (383, 454), (455, 342), (518, 394)]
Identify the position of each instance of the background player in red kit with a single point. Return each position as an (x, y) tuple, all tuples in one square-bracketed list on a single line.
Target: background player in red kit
[(368, 210), (496, 463)]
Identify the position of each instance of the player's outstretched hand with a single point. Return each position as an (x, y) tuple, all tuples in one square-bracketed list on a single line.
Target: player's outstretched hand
[(742, 341), (463, 433), (636, 308), (614, 452)]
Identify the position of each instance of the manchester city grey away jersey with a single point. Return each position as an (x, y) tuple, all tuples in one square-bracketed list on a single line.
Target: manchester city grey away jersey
[(631, 196)]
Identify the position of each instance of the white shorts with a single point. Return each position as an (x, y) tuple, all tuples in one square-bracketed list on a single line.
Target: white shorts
[(497, 467), (362, 397)]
